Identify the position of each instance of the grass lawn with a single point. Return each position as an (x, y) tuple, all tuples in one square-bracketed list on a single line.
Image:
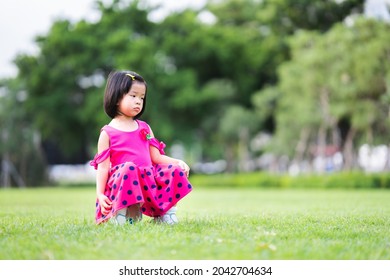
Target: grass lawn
[(215, 224)]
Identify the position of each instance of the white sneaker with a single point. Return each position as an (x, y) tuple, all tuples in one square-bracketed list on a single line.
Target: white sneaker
[(120, 217), (169, 217)]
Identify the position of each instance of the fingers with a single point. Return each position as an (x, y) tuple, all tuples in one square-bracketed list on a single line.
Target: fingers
[(105, 205), (187, 170), (105, 209), (108, 202), (185, 167)]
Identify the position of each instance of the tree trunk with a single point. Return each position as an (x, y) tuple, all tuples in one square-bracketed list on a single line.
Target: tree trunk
[(301, 147), (243, 153), (5, 173), (320, 149), (348, 152), (230, 159)]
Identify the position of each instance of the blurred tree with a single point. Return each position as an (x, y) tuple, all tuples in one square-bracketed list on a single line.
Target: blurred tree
[(243, 47), (21, 157), (337, 88), (289, 16), (65, 80), (196, 70), (236, 128)]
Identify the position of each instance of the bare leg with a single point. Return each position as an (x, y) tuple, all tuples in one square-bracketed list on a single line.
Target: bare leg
[(133, 213), (130, 214)]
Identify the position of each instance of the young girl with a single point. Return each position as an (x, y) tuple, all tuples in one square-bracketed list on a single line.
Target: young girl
[(134, 176)]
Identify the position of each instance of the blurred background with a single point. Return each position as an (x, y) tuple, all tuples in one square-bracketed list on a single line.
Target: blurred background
[(235, 86)]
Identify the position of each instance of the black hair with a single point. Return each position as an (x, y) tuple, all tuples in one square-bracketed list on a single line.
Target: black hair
[(118, 84)]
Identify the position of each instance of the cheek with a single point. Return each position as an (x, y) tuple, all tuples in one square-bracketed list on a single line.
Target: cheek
[(120, 101)]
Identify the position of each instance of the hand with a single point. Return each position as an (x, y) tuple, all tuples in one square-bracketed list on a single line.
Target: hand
[(185, 167), (105, 204)]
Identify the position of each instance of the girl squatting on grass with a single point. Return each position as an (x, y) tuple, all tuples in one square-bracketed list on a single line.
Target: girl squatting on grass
[(134, 176)]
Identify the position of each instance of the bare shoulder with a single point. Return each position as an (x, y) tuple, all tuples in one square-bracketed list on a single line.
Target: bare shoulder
[(146, 125), (104, 141), (151, 131)]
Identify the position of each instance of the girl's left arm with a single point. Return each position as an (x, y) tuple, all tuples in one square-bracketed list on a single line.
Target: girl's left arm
[(158, 158)]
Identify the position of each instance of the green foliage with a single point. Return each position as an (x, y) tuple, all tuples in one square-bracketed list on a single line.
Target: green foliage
[(22, 161), (348, 86), (70, 70), (215, 224), (340, 180), (288, 16), (196, 72), (235, 120)]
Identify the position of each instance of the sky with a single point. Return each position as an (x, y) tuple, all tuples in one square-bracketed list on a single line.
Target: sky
[(22, 20)]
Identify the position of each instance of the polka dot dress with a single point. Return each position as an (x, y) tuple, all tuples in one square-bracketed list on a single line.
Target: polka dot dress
[(134, 179)]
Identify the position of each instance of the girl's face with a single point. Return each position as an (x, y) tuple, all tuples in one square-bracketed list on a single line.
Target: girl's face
[(132, 102)]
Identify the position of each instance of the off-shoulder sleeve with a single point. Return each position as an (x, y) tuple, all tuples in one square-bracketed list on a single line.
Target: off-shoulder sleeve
[(158, 144), (100, 157), (146, 135)]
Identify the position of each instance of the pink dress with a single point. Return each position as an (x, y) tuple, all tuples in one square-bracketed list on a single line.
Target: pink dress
[(133, 178)]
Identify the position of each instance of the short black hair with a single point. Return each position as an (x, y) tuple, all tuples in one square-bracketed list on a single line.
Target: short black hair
[(118, 84)]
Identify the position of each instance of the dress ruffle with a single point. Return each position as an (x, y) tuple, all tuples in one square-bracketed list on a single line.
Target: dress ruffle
[(99, 158), (158, 144)]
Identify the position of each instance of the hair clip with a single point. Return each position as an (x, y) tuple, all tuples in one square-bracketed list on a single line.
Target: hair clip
[(131, 76)]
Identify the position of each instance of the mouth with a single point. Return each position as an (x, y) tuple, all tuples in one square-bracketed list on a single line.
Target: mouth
[(137, 109)]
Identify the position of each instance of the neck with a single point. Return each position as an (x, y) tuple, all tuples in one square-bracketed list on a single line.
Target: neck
[(124, 123), (125, 116), (122, 118)]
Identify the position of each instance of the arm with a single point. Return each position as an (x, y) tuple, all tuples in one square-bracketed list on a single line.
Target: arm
[(102, 175), (158, 158)]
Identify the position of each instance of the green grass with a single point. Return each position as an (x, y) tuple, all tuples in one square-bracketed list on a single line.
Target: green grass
[(215, 224)]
